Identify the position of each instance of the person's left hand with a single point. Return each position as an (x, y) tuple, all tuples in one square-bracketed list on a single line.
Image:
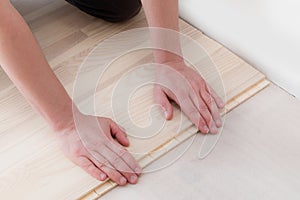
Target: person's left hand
[(189, 90)]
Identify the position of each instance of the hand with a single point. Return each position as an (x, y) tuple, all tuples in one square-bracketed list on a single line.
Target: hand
[(189, 90), (100, 151)]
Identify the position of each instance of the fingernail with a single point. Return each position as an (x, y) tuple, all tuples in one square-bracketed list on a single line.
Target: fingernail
[(122, 180), (205, 129), (138, 170), (222, 104), (214, 130), (166, 114), (133, 179), (102, 176)]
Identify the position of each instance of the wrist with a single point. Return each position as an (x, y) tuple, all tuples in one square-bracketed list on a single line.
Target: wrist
[(63, 120), (163, 56), (175, 64)]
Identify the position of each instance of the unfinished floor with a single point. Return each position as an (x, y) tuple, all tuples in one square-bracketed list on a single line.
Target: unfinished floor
[(257, 156)]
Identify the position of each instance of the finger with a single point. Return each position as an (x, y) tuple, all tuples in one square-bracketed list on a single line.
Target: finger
[(205, 112), (128, 159), (101, 162), (119, 134), (216, 97), (88, 166), (162, 99), (214, 111), (114, 175), (118, 163), (216, 115), (193, 114)]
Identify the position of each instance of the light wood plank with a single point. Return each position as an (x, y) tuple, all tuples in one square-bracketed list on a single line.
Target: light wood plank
[(34, 166)]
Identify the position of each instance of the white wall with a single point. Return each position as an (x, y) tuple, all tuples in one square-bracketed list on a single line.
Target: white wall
[(266, 33)]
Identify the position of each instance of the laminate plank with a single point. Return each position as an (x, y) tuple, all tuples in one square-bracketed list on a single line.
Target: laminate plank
[(64, 44), (168, 143), (25, 7), (5, 82), (257, 157), (34, 167)]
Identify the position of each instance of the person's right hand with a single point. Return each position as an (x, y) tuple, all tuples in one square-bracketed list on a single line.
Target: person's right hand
[(182, 84), (100, 150)]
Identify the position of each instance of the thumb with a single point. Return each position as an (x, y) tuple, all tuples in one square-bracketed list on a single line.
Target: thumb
[(119, 134)]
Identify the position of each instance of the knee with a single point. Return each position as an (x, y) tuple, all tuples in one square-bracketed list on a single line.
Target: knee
[(124, 10), (109, 10)]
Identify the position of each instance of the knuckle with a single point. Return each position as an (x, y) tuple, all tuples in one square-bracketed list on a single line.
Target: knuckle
[(201, 125), (113, 174), (209, 120), (203, 109), (121, 152), (81, 161), (76, 151), (124, 153), (201, 122), (93, 153), (208, 100), (117, 161), (205, 95), (89, 167)]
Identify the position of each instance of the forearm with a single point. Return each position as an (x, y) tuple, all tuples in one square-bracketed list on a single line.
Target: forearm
[(23, 61), (164, 14)]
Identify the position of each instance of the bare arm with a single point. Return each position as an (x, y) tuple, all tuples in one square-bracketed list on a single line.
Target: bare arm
[(163, 14), (23, 61), (185, 86)]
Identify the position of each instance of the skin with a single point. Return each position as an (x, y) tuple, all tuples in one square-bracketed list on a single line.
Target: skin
[(103, 154), (196, 99)]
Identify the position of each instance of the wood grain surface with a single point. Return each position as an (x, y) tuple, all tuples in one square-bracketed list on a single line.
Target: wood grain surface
[(32, 166)]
